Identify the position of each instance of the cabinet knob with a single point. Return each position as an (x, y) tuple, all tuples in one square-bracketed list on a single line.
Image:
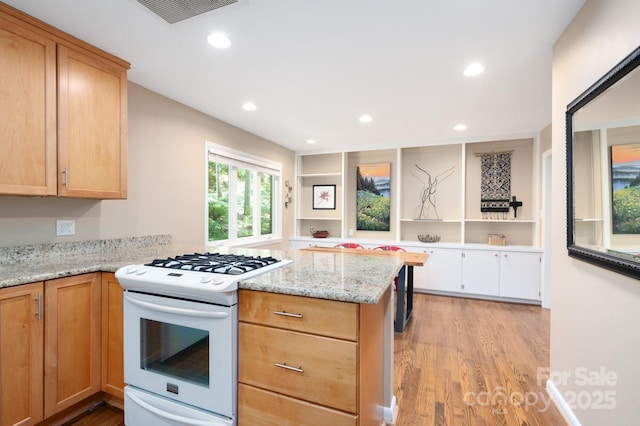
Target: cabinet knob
[(496, 254), (506, 255)]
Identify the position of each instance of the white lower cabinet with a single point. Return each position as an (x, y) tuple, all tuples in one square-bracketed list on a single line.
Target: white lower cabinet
[(520, 275), (442, 271), (481, 272), (499, 273), (502, 273)]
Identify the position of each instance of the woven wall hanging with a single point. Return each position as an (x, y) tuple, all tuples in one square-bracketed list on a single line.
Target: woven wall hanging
[(495, 182)]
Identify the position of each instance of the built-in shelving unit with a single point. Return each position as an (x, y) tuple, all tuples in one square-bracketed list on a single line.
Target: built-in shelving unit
[(444, 176), (319, 169)]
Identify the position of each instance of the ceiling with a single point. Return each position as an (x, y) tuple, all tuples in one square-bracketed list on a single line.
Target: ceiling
[(313, 67)]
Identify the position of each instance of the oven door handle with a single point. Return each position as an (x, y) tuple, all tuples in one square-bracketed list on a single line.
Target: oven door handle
[(178, 311), (170, 416)]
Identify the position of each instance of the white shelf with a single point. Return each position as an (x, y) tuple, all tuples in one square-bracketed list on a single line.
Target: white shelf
[(320, 218), (314, 175), (501, 220), (432, 220)]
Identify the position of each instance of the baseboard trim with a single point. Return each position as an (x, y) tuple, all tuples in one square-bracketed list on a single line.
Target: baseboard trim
[(561, 404), (391, 413)]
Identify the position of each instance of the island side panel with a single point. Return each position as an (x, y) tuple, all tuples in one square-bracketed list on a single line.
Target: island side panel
[(373, 338)]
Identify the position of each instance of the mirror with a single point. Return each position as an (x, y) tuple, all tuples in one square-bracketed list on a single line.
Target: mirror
[(603, 171)]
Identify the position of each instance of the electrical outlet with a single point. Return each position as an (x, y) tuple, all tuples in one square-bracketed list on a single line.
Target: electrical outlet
[(65, 227), (351, 232)]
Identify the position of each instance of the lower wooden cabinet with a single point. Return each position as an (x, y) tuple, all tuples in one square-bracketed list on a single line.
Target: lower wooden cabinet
[(21, 362), (60, 343), (112, 337), (309, 361), (72, 341), (260, 407)]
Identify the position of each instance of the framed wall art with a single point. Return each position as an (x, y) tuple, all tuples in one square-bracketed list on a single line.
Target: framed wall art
[(372, 198), (324, 197)]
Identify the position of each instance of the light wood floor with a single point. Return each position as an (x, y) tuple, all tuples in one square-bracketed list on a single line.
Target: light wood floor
[(459, 362), (473, 362)]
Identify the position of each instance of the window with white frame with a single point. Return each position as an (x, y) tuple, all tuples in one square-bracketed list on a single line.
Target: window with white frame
[(242, 190)]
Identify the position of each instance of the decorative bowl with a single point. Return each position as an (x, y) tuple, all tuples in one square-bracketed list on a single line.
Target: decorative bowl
[(320, 234), (429, 238)]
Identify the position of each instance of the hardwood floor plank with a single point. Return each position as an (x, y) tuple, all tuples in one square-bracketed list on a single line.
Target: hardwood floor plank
[(473, 362)]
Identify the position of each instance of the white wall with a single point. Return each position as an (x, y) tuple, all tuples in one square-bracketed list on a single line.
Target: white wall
[(166, 181), (595, 313)]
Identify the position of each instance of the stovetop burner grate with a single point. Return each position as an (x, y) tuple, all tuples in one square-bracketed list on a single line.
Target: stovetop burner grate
[(230, 264)]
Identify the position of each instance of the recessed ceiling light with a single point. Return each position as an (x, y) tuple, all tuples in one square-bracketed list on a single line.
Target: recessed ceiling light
[(460, 127), (310, 141), (365, 119), (249, 106), (474, 69), (219, 40)]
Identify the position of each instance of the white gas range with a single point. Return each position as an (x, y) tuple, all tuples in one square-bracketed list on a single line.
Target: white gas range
[(180, 337)]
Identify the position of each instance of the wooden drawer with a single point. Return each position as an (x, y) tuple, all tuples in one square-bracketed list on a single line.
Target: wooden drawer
[(308, 315), (264, 408), (328, 375)]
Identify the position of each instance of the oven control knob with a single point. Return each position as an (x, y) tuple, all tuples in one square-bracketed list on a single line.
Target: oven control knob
[(141, 271), (132, 269), (206, 280)]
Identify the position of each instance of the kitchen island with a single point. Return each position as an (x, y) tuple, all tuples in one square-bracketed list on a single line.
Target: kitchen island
[(361, 285)]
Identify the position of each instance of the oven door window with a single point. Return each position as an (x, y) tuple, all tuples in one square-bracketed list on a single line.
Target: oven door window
[(175, 351)]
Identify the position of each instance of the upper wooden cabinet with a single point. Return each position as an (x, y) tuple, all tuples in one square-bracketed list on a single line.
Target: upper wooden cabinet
[(27, 110), (63, 113)]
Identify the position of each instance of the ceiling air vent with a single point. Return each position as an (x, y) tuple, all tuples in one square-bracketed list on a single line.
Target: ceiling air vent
[(174, 11)]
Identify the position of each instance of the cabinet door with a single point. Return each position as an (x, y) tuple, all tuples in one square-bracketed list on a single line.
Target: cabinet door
[(520, 275), (21, 329), (27, 111), (481, 272), (92, 97), (72, 340), (442, 271), (112, 333)]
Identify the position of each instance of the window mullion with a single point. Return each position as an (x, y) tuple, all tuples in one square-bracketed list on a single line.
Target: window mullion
[(233, 200), (257, 208)]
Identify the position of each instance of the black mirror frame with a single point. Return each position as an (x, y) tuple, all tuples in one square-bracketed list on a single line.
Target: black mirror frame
[(627, 266)]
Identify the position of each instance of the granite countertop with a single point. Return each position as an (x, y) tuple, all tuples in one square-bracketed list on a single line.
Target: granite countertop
[(334, 276)]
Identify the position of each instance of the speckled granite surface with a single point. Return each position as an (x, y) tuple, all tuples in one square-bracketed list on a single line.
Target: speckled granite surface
[(335, 276)]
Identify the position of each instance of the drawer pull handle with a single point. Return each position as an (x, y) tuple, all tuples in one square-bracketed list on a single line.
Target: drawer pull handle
[(288, 367), (287, 314)]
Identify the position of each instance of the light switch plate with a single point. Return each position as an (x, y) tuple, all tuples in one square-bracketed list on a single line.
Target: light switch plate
[(65, 227)]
